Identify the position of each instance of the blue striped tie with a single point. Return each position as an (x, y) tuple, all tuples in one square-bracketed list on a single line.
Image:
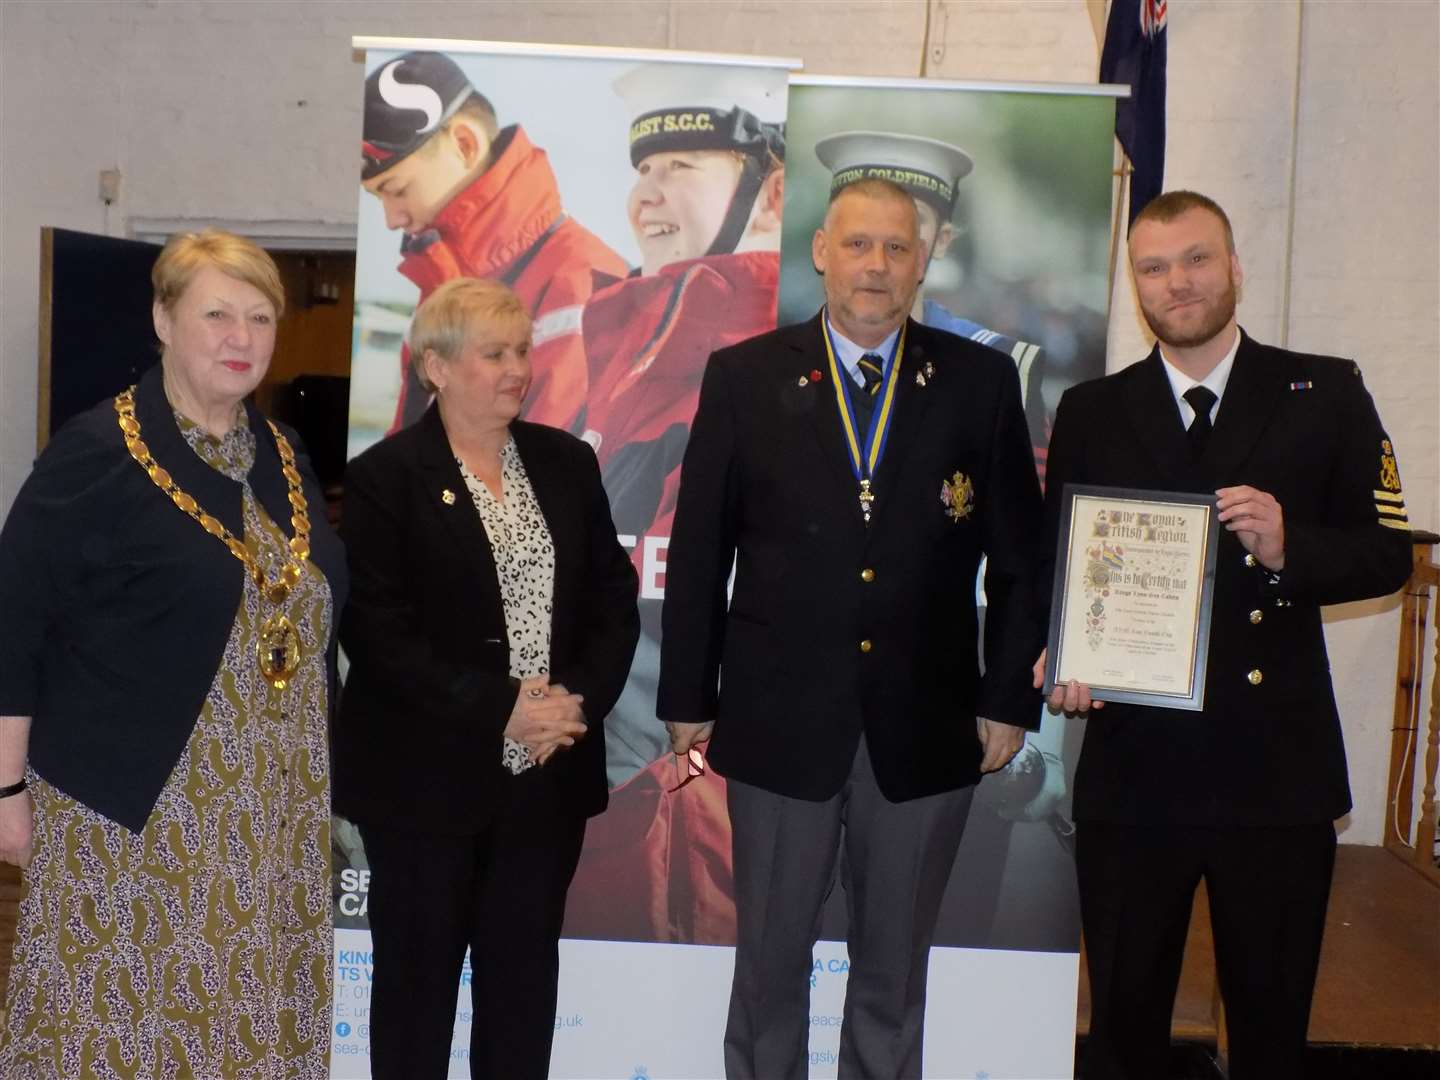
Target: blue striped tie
[(872, 371)]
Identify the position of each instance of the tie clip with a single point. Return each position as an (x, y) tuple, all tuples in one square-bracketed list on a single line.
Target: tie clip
[(1304, 385)]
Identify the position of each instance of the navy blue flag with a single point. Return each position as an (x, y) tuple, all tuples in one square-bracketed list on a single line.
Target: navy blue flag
[(1134, 55)]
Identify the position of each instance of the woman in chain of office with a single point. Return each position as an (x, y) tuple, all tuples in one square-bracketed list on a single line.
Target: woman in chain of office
[(168, 602)]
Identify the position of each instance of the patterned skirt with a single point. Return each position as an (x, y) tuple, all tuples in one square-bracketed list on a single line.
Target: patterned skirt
[(201, 946)]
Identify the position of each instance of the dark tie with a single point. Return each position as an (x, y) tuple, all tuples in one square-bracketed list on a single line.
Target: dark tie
[(872, 370), (1202, 400)]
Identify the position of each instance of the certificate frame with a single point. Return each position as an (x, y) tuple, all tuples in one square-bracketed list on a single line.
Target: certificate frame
[(1119, 589)]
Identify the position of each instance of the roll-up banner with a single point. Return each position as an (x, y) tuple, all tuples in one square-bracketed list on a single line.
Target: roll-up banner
[(641, 247)]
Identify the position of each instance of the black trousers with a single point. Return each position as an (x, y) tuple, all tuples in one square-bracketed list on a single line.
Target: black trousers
[(501, 893), (1268, 890)]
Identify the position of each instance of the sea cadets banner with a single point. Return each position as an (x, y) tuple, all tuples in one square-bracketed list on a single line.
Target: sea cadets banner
[(559, 170)]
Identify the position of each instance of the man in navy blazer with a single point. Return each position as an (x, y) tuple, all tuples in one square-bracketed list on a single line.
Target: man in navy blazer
[(853, 469), (1243, 793)]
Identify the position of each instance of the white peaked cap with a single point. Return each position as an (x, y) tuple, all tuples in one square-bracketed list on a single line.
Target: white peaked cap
[(657, 86), (927, 168)]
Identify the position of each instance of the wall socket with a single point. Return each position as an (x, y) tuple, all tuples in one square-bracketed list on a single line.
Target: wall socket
[(109, 186)]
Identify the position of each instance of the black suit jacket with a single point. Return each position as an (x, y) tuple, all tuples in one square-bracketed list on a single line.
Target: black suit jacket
[(767, 483), (419, 737), (1304, 429), (115, 607)]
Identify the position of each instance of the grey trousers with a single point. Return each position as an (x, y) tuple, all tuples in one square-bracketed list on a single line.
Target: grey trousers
[(895, 860)]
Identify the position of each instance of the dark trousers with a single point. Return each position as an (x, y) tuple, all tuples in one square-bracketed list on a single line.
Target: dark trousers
[(502, 894), (1268, 890), (895, 862)]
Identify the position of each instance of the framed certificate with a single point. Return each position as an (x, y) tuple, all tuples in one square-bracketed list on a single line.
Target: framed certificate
[(1134, 584)]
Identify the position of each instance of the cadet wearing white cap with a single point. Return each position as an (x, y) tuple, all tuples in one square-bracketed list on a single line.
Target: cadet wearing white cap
[(931, 171), (713, 209), (707, 145)]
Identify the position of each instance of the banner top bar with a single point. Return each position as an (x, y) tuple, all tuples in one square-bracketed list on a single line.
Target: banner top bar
[(574, 52), (1115, 90)]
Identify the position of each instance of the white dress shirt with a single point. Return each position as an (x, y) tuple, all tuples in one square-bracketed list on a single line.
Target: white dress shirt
[(1214, 382)]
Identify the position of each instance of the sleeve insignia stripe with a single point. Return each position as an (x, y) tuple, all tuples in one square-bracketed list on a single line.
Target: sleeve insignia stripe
[(1391, 523), (1393, 511), (1389, 496), (1024, 355)]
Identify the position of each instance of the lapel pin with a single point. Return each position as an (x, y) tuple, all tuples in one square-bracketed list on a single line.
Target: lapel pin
[(919, 378), (803, 381), (447, 497), (1303, 385), (929, 370), (815, 375)]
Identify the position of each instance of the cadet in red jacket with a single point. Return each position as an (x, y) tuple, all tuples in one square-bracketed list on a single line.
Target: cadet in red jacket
[(476, 200), (705, 209)]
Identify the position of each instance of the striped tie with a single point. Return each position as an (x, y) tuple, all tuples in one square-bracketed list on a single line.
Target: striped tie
[(872, 370)]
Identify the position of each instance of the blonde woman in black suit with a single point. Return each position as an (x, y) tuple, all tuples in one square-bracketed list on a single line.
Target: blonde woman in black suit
[(493, 623)]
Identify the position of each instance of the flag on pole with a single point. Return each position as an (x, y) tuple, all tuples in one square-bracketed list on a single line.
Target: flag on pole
[(1134, 54)]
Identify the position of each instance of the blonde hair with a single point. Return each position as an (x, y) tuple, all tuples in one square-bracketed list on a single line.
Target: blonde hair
[(186, 254), (449, 316)]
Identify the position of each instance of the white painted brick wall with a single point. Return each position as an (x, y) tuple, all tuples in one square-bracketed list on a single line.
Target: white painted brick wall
[(199, 104)]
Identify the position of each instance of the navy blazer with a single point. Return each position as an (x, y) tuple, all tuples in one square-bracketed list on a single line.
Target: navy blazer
[(767, 485), (1267, 748), (115, 606), (418, 742)]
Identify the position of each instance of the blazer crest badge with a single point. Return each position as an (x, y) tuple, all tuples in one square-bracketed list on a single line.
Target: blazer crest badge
[(957, 495)]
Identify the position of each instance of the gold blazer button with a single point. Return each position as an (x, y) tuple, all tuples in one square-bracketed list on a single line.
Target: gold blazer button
[(1256, 677), (1256, 615)]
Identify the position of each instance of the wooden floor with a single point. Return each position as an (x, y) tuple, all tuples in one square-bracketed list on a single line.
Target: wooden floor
[(1380, 967), (1379, 981)]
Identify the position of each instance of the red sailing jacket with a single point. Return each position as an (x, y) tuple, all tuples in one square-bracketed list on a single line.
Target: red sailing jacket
[(656, 864), (648, 339), (509, 224)]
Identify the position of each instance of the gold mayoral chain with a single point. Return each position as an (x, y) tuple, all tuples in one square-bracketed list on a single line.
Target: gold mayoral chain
[(278, 650)]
